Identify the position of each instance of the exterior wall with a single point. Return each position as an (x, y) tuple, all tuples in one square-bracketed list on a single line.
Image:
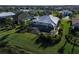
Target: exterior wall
[(42, 27)]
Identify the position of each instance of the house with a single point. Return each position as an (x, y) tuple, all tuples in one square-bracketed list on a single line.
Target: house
[(4, 15), (65, 13), (75, 24), (45, 23), (7, 16)]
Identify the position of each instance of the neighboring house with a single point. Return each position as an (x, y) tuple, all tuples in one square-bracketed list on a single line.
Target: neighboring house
[(4, 15), (24, 10), (65, 13), (75, 24), (45, 23)]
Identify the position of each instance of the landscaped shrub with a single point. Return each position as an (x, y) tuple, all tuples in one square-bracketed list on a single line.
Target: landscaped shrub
[(60, 31), (7, 23), (47, 40)]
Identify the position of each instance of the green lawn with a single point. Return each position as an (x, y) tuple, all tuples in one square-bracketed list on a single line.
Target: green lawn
[(27, 41), (67, 47)]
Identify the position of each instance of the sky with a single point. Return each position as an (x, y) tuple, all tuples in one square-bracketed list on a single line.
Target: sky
[(39, 2)]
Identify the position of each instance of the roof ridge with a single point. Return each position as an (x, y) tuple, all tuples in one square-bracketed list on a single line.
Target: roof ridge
[(51, 19)]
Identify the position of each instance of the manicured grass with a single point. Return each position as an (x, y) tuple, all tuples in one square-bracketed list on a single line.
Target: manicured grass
[(65, 26), (27, 41), (67, 47), (3, 33), (23, 40)]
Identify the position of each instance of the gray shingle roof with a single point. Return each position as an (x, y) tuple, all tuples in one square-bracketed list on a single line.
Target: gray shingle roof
[(47, 19)]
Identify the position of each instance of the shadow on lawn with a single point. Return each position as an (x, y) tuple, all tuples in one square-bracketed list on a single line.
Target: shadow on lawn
[(46, 42), (21, 29), (72, 43), (2, 42), (72, 50), (61, 50), (5, 48), (15, 50)]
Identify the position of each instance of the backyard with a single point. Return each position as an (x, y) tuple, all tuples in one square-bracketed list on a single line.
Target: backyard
[(26, 42)]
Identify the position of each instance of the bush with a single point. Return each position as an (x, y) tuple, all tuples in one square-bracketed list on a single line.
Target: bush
[(53, 38)]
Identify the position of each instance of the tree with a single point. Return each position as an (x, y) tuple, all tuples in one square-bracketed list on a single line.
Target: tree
[(7, 23)]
